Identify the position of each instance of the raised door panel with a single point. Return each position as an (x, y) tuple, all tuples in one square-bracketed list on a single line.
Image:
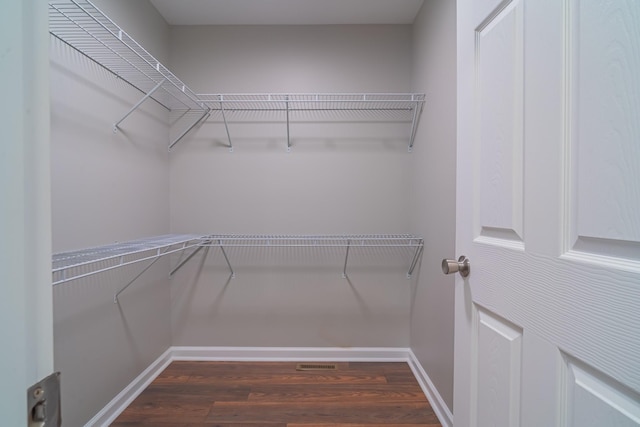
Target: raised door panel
[(498, 368), (499, 128), (591, 399), (604, 106)]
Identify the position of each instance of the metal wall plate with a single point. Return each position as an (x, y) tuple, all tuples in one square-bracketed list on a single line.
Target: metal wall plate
[(43, 403)]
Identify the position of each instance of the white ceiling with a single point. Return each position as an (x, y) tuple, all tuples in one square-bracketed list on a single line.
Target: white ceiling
[(287, 12)]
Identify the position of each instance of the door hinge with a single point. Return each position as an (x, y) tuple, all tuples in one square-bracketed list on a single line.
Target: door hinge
[(43, 402)]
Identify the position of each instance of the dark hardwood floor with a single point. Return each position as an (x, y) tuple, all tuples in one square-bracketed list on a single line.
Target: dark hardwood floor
[(231, 394)]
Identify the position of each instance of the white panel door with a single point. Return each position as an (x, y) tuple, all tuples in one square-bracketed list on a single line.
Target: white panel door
[(548, 212)]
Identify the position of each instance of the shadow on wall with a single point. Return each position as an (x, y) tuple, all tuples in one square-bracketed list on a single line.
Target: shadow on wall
[(293, 297), (100, 342), (311, 130)]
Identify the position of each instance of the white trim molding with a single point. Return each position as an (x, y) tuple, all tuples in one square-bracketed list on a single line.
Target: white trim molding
[(272, 354), (290, 354), (435, 399), (118, 404)]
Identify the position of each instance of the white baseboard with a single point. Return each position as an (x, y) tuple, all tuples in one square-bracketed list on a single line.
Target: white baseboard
[(437, 403), (110, 412), (291, 354), (272, 354)]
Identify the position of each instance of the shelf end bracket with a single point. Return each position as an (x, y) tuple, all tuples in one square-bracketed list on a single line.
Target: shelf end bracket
[(346, 259), (416, 257), (186, 260), (226, 258), (159, 254), (288, 135), (419, 105), (226, 125), (139, 103), (204, 116)]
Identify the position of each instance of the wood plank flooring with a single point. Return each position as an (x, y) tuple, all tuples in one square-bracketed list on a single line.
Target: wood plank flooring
[(275, 394)]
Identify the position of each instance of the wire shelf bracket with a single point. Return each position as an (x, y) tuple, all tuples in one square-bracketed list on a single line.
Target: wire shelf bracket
[(203, 117), (226, 258), (186, 260), (346, 259), (138, 104), (417, 113)]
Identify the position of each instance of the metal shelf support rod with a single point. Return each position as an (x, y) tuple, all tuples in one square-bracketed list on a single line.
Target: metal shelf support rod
[(204, 116), (414, 123), (346, 259), (226, 125), (288, 137), (233, 273), (186, 260), (414, 262), (135, 107), (158, 255)]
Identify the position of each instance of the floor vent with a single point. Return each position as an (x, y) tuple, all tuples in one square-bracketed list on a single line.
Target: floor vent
[(316, 367)]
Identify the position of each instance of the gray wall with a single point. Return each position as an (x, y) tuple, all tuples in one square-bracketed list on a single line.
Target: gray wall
[(107, 187), (340, 178), (433, 194), (344, 175)]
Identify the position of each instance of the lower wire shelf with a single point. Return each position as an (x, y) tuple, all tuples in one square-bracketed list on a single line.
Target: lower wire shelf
[(73, 265)]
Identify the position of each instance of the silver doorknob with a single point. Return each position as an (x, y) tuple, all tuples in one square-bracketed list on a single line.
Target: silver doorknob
[(462, 266)]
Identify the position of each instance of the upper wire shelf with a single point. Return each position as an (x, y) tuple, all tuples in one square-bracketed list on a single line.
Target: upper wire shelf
[(313, 101), (74, 265), (81, 25), (408, 105)]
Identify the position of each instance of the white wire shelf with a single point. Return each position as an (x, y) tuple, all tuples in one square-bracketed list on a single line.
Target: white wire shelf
[(405, 106), (313, 101), (74, 265), (81, 25), (320, 241), (354, 240)]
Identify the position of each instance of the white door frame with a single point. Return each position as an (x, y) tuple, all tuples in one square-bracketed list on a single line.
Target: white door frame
[(26, 321)]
